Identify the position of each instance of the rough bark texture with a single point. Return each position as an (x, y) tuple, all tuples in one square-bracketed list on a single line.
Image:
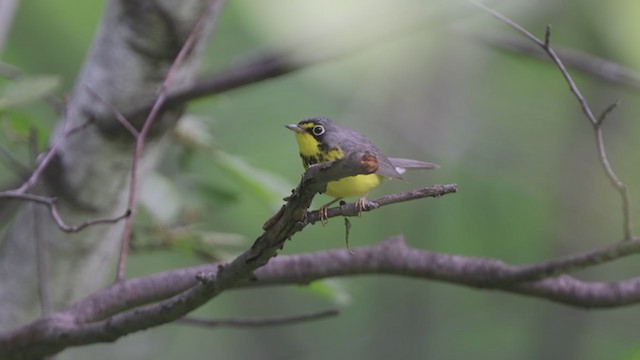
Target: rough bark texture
[(134, 46)]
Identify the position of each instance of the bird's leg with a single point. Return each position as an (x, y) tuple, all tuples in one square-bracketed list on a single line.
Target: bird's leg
[(360, 204), (324, 216)]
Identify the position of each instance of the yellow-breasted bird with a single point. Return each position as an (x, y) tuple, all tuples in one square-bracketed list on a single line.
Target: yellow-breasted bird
[(320, 140)]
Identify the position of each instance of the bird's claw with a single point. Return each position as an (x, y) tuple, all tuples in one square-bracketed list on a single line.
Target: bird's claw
[(324, 214), (361, 205)]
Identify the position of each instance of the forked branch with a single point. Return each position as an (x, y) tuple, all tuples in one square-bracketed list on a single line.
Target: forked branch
[(596, 122)]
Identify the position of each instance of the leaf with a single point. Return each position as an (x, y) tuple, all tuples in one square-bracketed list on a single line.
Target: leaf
[(214, 246), (192, 131), (27, 90), (264, 185), (331, 289), (161, 198)]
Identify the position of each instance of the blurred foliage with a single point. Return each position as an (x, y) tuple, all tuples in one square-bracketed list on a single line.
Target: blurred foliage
[(503, 126), (26, 91)]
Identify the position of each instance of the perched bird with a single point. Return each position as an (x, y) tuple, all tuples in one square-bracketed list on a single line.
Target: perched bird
[(320, 140)]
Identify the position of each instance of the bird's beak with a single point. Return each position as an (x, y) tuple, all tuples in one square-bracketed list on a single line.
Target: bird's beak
[(295, 128)]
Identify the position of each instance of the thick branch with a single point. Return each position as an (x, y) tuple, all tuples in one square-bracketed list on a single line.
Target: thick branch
[(394, 257)]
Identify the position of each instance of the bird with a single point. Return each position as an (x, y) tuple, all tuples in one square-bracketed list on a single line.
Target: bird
[(321, 139)]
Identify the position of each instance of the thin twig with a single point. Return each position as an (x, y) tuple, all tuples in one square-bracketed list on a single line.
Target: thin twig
[(547, 36), (31, 181), (55, 214), (602, 153), (140, 139), (566, 264), (260, 322), (118, 115), (22, 192), (351, 209), (607, 111)]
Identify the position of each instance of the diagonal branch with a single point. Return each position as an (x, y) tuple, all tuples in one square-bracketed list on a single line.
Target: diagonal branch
[(57, 331)]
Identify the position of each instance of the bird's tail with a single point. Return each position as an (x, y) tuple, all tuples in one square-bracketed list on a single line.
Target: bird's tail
[(402, 165)]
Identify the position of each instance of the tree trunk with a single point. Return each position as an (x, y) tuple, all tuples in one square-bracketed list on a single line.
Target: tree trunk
[(134, 47)]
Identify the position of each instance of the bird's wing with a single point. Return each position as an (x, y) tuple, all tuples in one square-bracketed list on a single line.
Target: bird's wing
[(386, 167)]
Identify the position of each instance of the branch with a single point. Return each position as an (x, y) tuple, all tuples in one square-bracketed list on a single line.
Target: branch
[(351, 209), (394, 257), (21, 193), (627, 225), (260, 322), (305, 53), (35, 175), (598, 67), (80, 323), (52, 204), (249, 71), (102, 319)]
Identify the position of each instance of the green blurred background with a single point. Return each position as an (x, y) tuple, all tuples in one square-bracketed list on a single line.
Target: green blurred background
[(504, 127)]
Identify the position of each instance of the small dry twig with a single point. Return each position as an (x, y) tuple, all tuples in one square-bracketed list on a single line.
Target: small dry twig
[(595, 122), (22, 193), (55, 214), (141, 136)]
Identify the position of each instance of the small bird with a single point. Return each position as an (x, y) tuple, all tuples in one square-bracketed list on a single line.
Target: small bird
[(320, 140)]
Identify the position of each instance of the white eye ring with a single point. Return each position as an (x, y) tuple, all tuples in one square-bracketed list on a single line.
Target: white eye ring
[(318, 130)]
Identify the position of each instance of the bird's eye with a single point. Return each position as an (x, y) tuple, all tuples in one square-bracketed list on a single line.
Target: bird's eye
[(318, 130)]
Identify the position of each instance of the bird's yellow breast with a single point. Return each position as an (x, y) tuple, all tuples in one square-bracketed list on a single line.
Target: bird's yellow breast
[(311, 153), (353, 185)]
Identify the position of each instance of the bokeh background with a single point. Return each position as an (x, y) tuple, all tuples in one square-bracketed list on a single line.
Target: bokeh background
[(421, 81)]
